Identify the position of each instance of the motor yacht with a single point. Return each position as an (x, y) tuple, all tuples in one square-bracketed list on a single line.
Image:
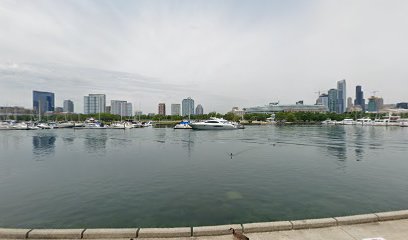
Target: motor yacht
[(214, 124), (348, 121), (364, 122)]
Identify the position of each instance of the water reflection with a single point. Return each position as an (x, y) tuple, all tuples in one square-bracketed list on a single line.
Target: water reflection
[(359, 144), (336, 143), (95, 141), (43, 144)]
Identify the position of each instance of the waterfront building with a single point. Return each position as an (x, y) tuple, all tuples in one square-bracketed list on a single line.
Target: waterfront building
[(138, 113), (199, 110), (94, 103), (43, 102), (359, 101), (341, 96), (276, 107), (332, 100), (59, 109), (121, 108), (187, 106), (162, 109), (108, 109), (175, 109), (403, 105), (349, 104), (68, 106)]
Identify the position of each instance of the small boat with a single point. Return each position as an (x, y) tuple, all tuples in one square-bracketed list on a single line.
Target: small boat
[(364, 122), (183, 125), (44, 126), (91, 124), (214, 124), (404, 123)]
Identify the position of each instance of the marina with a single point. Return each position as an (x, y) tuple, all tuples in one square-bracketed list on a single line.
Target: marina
[(161, 177)]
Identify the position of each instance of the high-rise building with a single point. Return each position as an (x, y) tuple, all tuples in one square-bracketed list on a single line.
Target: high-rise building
[(43, 102), (59, 110), (162, 109), (332, 100), (359, 101), (199, 110), (122, 108), (187, 106), (341, 96), (94, 103), (375, 104), (323, 100), (68, 106), (175, 109), (349, 104)]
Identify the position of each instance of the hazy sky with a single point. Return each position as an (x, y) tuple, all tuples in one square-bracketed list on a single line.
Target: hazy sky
[(221, 53)]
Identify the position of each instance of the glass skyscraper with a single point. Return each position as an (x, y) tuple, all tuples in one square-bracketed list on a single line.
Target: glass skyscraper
[(359, 101), (43, 102), (68, 106), (187, 106), (199, 110), (332, 100), (341, 96)]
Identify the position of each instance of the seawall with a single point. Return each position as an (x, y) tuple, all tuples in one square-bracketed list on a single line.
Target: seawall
[(112, 233)]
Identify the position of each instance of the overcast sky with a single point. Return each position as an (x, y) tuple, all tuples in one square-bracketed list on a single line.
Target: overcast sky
[(221, 53)]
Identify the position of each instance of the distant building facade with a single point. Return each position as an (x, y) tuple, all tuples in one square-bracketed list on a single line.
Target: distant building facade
[(94, 103), (274, 107), (349, 104), (175, 109), (359, 101), (237, 111), (199, 110), (402, 105), (332, 100), (187, 106), (323, 100), (341, 96), (43, 102), (375, 104), (68, 106), (121, 108), (162, 109)]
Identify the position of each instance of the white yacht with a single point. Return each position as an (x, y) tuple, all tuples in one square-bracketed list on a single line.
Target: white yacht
[(91, 124), (214, 124), (404, 123), (388, 120), (364, 122), (183, 125), (348, 121)]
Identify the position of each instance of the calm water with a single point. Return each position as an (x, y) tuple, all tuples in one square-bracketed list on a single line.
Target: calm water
[(164, 177)]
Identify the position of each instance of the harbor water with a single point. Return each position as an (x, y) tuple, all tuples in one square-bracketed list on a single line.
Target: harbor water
[(161, 177)]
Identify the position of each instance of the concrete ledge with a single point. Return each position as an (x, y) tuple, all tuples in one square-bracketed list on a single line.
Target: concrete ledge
[(395, 215), (267, 226), (110, 233), (215, 230), (55, 234), (356, 219), (164, 232), (13, 233), (314, 223)]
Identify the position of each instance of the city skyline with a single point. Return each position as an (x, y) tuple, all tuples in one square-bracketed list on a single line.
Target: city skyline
[(253, 52)]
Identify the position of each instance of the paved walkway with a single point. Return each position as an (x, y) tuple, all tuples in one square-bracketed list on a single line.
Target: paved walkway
[(388, 230)]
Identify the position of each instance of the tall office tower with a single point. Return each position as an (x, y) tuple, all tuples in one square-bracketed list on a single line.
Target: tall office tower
[(187, 106), (119, 107), (129, 108), (199, 110), (341, 96), (68, 106), (332, 99), (94, 103), (349, 104), (323, 100), (43, 102), (162, 109), (175, 109), (359, 101)]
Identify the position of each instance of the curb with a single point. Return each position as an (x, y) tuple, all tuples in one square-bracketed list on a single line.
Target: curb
[(130, 233)]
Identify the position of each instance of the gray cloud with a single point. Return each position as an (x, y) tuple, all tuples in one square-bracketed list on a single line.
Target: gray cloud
[(222, 53)]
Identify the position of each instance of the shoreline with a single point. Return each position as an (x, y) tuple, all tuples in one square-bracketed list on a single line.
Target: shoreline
[(198, 231)]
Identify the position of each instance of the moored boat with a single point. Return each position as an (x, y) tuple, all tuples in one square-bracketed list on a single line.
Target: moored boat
[(214, 124)]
